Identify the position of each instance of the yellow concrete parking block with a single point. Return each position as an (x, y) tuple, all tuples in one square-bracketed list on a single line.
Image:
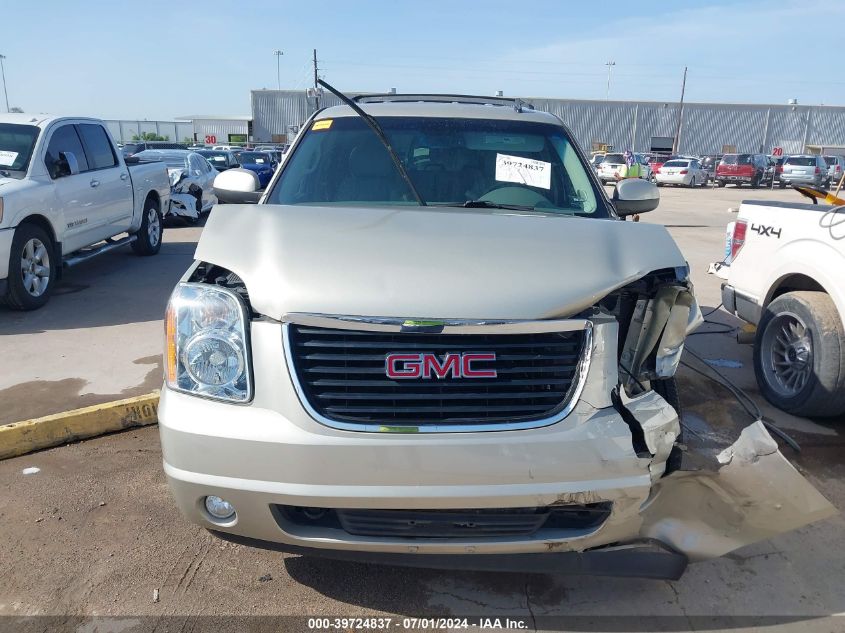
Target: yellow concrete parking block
[(20, 438)]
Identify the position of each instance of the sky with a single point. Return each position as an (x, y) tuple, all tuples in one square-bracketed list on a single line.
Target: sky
[(160, 60)]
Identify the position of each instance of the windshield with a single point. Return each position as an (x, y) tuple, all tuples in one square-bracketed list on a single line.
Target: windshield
[(676, 163), (174, 161), (215, 158), (16, 144), (803, 161), (254, 158), (614, 158), (830, 160), (736, 159), (450, 161)]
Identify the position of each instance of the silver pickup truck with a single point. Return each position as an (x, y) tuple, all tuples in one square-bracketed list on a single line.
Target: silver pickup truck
[(434, 342), (67, 195)]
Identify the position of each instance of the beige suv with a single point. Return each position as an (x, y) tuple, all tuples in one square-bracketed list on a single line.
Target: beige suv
[(433, 342)]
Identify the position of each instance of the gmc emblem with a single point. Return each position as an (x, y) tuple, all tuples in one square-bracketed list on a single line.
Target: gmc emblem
[(427, 366)]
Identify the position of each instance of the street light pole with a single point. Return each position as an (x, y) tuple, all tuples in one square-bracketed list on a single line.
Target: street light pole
[(3, 72), (610, 66), (278, 55)]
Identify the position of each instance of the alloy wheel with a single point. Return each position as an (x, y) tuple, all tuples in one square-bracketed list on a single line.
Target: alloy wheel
[(35, 267)]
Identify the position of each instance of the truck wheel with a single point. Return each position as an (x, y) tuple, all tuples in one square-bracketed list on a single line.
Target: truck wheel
[(782, 184), (755, 182), (799, 354), (720, 183), (150, 233), (32, 268)]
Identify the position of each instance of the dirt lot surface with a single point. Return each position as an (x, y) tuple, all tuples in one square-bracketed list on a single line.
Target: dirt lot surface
[(94, 532)]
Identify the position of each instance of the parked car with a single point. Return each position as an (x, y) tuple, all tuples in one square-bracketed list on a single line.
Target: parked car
[(739, 169), (227, 148), (645, 168), (533, 429), (596, 160), (132, 148), (683, 172), (262, 163), (655, 162), (807, 169), (66, 194), (708, 163), (784, 276), (191, 180), (835, 169), (610, 167), (221, 160)]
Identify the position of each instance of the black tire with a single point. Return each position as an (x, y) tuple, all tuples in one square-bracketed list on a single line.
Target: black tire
[(149, 239), (25, 290), (755, 182), (801, 334), (720, 183), (782, 184)]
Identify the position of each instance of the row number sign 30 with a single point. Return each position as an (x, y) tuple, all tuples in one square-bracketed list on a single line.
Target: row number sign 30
[(210, 139), (777, 151)]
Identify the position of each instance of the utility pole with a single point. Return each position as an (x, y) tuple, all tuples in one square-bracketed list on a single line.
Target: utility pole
[(278, 55), (316, 85), (610, 66), (676, 145), (3, 72)]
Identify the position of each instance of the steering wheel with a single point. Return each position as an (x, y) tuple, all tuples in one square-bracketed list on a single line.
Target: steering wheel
[(516, 195)]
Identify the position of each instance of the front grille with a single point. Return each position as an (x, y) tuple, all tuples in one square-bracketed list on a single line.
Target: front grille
[(471, 523), (341, 374)]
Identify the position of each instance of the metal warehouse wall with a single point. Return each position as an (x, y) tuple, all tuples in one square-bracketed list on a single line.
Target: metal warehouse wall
[(219, 128), (175, 131), (705, 129)]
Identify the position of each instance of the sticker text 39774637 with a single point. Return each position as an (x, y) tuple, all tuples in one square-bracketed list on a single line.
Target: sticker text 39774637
[(525, 171)]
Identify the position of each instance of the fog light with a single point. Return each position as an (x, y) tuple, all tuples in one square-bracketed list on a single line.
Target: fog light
[(218, 508)]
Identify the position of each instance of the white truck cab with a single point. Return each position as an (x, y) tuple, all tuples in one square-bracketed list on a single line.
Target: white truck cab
[(65, 194)]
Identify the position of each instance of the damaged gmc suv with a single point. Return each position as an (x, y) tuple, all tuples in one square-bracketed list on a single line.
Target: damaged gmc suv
[(434, 342)]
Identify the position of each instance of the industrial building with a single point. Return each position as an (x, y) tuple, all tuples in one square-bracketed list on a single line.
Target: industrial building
[(187, 129), (641, 126)]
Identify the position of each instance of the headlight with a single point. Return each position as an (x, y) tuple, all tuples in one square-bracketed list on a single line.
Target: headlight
[(206, 341)]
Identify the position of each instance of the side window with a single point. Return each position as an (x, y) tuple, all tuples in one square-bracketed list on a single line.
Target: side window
[(64, 139), (97, 146), (194, 164)]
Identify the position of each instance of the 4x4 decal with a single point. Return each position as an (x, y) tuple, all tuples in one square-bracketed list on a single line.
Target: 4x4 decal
[(765, 231)]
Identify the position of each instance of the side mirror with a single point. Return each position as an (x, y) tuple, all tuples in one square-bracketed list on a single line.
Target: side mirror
[(237, 186), (67, 165), (635, 195)]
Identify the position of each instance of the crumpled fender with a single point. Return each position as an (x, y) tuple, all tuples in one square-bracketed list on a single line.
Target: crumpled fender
[(183, 204), (753, 493)]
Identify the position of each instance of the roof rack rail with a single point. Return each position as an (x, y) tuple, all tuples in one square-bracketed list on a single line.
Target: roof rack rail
[(516, 104)]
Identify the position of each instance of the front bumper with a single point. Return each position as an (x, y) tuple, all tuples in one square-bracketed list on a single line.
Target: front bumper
[(665, 179), (271, 452), (6, 236)]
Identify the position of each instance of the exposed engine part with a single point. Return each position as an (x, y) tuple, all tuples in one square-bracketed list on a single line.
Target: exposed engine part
[(206, 273)]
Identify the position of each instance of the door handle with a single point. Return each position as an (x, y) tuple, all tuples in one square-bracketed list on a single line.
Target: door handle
[(124, 176), (95, 183)]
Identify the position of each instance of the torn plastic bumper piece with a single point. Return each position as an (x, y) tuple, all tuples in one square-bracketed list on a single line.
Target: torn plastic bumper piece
[(636, 560), (748, 492)]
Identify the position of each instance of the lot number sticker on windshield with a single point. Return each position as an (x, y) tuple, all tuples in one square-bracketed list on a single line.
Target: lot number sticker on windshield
[(7, 158), (525, 171)]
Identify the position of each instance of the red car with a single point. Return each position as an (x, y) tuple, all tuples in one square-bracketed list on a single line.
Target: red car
[(739, 169)]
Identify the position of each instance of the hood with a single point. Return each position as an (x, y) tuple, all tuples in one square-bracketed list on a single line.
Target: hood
[(429, 262), (256, 167)]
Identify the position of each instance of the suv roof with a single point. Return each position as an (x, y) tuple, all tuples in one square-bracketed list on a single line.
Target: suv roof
[(440, 108)]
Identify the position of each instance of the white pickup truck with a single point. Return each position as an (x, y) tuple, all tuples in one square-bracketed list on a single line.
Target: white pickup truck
[(65, 195), (785, 275)]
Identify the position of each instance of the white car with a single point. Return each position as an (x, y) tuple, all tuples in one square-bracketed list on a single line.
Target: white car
[(685, 172), (784, 275), (66, 195), (191, 180), (611, 167)]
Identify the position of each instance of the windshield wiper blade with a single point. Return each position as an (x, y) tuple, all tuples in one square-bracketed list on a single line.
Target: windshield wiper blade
[(486, 204), (381, 136)]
